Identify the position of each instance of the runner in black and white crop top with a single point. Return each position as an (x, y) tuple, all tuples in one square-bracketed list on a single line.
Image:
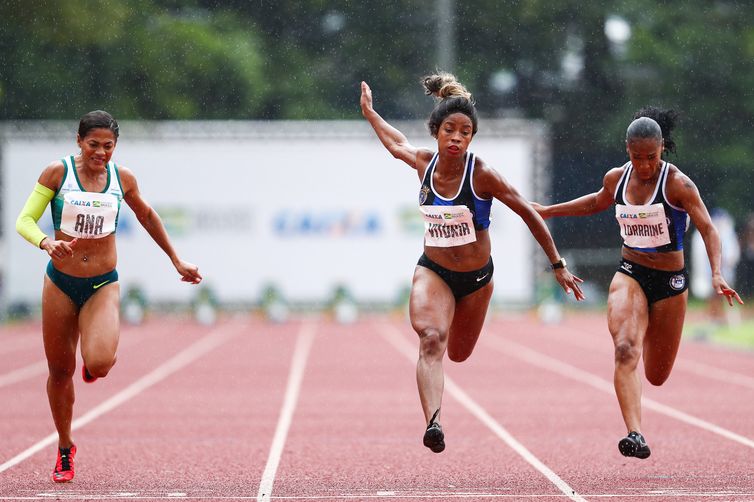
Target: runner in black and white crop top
[(656, 226)]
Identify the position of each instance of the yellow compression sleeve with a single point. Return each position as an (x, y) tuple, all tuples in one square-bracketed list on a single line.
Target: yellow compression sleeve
[(35, 206)]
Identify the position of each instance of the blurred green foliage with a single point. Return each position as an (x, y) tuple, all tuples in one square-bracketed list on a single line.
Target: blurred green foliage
[(304, 59)]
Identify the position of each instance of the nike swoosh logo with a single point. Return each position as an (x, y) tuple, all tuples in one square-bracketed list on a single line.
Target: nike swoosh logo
[(478, 279), (97, 286)]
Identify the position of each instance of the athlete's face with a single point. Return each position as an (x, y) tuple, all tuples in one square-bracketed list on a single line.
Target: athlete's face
[(97, 147), (455, 134), (646, 156)]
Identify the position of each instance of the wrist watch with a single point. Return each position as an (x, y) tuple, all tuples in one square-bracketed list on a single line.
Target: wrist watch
[(561, 263)]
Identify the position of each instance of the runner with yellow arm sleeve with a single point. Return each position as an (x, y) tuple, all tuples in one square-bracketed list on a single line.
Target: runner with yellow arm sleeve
[(81, 293), (26, 224)]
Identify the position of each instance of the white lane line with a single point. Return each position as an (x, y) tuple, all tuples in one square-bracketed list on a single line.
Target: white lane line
[(20, 374), (296, 375), (700, 369), (394, 337), (40, 367), (707, 371), (185, 357), (540, 360), (683, 495)]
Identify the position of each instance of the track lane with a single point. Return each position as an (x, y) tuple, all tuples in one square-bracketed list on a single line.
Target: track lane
[(358, 428), (204, 432), (135, 372), (685, 458)]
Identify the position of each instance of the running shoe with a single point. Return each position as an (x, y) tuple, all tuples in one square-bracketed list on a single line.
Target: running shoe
[(634, 445), (434, 438), (63, 472), (88, 378)]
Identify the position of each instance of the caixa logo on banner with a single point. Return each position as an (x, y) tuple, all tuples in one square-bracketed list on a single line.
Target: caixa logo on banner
[(324, 223)]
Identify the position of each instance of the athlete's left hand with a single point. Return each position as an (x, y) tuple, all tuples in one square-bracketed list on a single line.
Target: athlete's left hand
[(722, 289), (569, 282), (189, 272)]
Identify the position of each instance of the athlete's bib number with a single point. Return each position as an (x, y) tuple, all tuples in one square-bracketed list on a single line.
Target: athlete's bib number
[(447, 226), (643, 226), (88, 215)]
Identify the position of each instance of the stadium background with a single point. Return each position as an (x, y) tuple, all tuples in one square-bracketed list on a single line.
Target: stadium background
[(572, 72)]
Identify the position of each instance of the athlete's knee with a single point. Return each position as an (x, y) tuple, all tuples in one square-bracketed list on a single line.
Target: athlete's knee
[(99, 367), (626, 353), (655, 377), (431, 343), (458, 356), (60, 373)]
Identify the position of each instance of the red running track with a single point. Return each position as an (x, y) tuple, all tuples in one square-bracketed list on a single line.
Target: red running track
[(313, 410)]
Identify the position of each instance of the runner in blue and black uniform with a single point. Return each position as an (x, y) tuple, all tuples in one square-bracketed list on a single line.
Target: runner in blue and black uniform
[(452, 283), (648, 295)]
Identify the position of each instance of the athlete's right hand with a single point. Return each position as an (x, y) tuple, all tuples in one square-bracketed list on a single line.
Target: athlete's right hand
[(366, 98), (58, 249)]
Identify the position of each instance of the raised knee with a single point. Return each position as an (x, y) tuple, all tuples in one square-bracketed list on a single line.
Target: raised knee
[(99, 367), (626, 354), (458, 357), (431, 344), (657, 378)]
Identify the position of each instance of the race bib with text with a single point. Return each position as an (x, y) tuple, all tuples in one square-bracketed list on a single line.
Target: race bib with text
[(643, 226), (447, 226), (89, 215)]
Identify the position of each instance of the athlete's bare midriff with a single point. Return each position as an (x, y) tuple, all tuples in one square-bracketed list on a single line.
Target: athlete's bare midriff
[(91, 257), (669, 261), (464, 258)]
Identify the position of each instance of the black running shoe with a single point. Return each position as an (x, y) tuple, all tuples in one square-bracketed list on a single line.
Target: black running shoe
[(634, 445), (434, 438)]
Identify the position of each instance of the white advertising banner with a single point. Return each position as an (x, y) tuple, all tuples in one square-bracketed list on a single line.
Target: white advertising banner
[(305, 206)]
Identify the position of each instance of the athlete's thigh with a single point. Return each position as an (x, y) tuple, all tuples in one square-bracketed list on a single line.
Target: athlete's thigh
[(627, 310), (471, 310), (99, 322), (431, 303), (663, 336), (60, 331)]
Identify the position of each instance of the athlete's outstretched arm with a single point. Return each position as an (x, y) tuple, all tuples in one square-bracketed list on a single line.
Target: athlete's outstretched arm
[(586, 204), (394, 140), (152, 223), (492, 183), (682, 189)]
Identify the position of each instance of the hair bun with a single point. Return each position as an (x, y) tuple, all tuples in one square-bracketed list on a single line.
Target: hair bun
[(444, 85)]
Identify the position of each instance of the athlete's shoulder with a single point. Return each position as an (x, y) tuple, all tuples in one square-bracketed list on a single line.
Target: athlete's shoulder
[(52, 175), (423, 158), (678, 182), (612, 177), (488, 180), (675, 172), (127, 176), (424, 154)]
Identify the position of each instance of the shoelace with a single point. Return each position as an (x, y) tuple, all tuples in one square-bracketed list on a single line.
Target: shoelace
[(65, 460), (432, 420)]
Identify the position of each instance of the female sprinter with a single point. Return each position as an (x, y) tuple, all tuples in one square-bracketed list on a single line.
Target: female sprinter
[(452, 283), (646, 303), (81, 291)]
